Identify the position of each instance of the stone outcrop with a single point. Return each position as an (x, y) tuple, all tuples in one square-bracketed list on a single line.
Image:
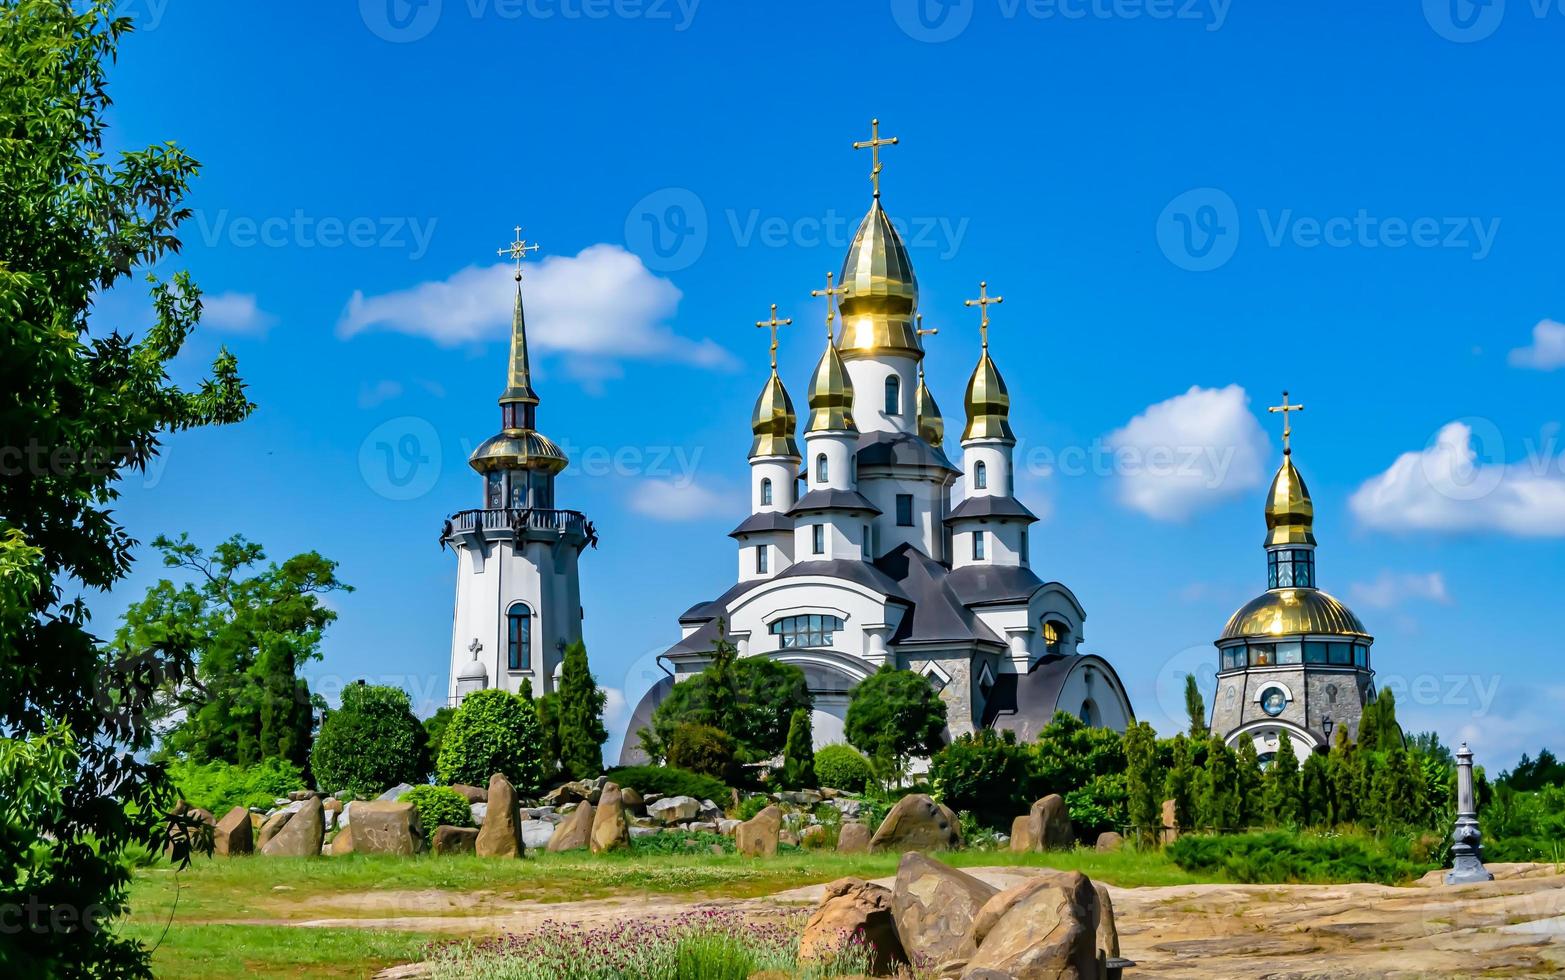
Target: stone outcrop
[(1109, 841), (575, 832), (1043, 927), (235, 834), (473, 794), (917, 823), (302, 835), (455, 840), (853, 838), (934, 906), (853, 909), (758, 836), (501, 836), (674, 809), (1046, 827), (342, 843), (271, 826), (387, 828), (536, 834), (610, 830)]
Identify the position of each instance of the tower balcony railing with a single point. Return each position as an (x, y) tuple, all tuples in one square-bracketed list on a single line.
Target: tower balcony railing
[(531, 518)]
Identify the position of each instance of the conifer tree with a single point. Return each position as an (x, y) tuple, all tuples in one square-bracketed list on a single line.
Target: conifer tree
[(1180, 785), (1248, 774), (799, 752), (1390, 732), (1343, 772), (581, 702), (1282, 785), (1143, 787), (1369, 727), (1195, 707), (1315, 805), (1219, 808)]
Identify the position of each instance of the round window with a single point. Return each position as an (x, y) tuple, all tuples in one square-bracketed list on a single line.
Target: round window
[(1273, 701)]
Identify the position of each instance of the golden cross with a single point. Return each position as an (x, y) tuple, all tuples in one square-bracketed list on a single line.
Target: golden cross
[(982, 302), (774, 323), (1287, 423), (830, 293), (924, 333), (873, 144), (517, 251)]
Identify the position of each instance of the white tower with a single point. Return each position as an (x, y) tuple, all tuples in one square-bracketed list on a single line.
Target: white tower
[(765, 538), (518, 601)]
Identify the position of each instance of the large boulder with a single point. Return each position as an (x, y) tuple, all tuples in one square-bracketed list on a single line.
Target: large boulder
[(536, 833), (1110, 841), (853, 838), (674, 809), (235, 834), (501, 836), (1048, 827), (610, 831), (1043, 927), (302, 835), (387, 828), (395, 793), (455, 840), (630, 797), (853, 909), (1022, 840), (934, 906), (473, 794), (342, 843), (575, 832), (757, 837), (917, 823), (271, 827), (1104, 929)]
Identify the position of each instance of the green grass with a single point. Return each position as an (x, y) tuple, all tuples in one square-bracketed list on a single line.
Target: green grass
[(198, 952)]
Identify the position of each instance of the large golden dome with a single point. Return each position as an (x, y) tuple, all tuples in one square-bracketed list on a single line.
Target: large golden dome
[(518, 449), (1286, 612), (773, 421), (881, 292), (1290, 514), (988, 403)]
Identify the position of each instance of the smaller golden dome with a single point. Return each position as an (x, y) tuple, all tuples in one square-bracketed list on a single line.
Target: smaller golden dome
[(988, 403), (773, 421), (931, 427), (1290, 514), (1286, 612), (518, 449), (831, 395), (880, 291)]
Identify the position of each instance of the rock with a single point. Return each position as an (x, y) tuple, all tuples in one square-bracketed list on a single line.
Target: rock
[(479, 811), (1042, 927), (394, 794), (800, 797), (701, 826), (850, 809), (1022, 840), (1048, 827), (757, 837), (301, 836), (235, 833), (814, 837), (456, 840), (576, 792), (636, 833), (536, 833), (342, 843), (727, 827), (574, 833), (300, 795), (710, 811), (500, 836), (631, 799), (609, 829), (853, 908), (271, 826), (788, 837), (917, 823), (1110, 841), (934, 906), (1170, 831), (1105, 931), (387, 828), (853, 838), (346, 816), (473, 794), (675, 809)]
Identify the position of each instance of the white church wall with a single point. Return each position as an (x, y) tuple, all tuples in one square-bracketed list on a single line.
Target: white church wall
[(1088, 682), (781, 471), (929, 509), (838, 450), (996, 457), (842, 537), (869, 392)]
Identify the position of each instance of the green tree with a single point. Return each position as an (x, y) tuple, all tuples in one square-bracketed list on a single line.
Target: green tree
[(492, 732), (251, 630), (799, 752), (1315, 805), (1247, 772), (1349, 785), (1370, 727), (894, 714), (548, 710), (1220, 807), (1180, 784), (1280, 793), (581, 716), (842, 767), (369, 743), (1143, 782), (702, 749), (985, 773), (1390, 735), (1195, 707), (435, 733), (79, 408), (1069, 754)]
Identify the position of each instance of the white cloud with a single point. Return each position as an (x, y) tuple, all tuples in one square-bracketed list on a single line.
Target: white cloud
[(1189, 452), (1392, 589), (598, 307), (1547, 351), (678, 500), (1446, 487), (235, 313)]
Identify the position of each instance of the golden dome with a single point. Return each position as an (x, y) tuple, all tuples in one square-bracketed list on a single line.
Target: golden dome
[(881, 292), (518, 449), (1290, 514), (773, 421), (1286, 612), (831, 395), (988, 403), (931, 427)]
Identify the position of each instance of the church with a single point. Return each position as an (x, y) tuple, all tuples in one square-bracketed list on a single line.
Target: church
[(866, 544)]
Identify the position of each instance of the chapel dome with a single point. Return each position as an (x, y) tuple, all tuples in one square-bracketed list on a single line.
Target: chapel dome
[(1291, 612)]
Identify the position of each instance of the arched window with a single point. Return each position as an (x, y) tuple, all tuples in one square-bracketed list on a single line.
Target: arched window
[(893, 395), (980, 476), (805, 631), (766, 492), (822, 472), (1053, 638), (1089, 713), (519, 638)]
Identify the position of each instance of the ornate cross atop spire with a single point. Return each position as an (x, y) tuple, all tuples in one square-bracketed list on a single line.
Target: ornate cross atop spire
[(1287, 423), (924, 333), (873, 144), (517, 251), (774, 323), (831, 293), (983, 302)]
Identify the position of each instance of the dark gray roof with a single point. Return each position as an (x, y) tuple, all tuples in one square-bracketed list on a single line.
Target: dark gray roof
[(703, 612), (863, 573), (630, 753), (938, 615), (900, 449), (1026, 703), (833, 500), (701, 641), (991, 507), (979, 585), (771, 520)]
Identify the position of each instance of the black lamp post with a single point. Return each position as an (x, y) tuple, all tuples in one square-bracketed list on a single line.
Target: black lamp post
[(1325, 726)]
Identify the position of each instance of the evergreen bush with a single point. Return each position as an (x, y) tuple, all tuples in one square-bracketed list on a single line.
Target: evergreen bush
[(799, 753), (492, 732), (218, 787), (986, 774), (437, 805), (841, 767), (371, 742), (701, 749), (670, 781)]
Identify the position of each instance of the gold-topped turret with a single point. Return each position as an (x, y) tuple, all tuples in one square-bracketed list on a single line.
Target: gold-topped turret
[(881, 292), (931, 427), (1290, 513), (773, 420), (988, 403), (519, 376), (831, 392)]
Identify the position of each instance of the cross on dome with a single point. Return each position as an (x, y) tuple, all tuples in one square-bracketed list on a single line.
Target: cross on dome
[(517, 251), (873, 145), (1287, 422), (774, 323), (983, 302)]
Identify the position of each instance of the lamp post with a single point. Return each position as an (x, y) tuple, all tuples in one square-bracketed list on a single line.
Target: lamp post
[(1325, 726), (1466, 866)]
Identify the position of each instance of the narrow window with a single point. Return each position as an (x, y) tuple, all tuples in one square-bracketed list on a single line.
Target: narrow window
[(979, 551), (818, 536), (904, 510), (761, 560), (980, 476), (1053, 636), (766, 492), (893, 395), (821, 470), (519, 638), (495, 493)]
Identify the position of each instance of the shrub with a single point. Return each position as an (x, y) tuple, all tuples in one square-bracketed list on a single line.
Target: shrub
[(799, 754), (438, 805), (986, 774), (750, 806), (219, 787), (369, 743), (435, 732), (752, 699), (670, 782), (1280, 857), (841, 767), (701, 749), (893, 714), (681, 842), (493, 731)]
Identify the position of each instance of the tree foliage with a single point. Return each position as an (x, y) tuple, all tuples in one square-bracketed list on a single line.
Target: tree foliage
[(1143, 782), (842, 767), (798, 770), (1195, 707), (986, 774), (438, 806), (493, 731), (702, 749), (370, 743), (1280, 794), (580, 726), (894, 714), (79, 408)]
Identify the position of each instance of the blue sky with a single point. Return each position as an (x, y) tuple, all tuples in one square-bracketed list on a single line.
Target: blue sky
[(1359, 205)]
